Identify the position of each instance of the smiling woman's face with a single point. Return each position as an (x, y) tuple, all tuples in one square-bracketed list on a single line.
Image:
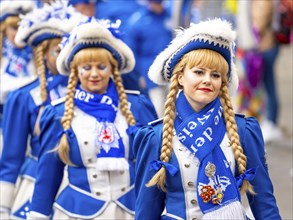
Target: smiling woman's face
[(94, 67), (201, 85), (201, 76), (94, 76)]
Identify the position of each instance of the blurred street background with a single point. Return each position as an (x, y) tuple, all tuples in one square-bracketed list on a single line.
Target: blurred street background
[(280, 154)]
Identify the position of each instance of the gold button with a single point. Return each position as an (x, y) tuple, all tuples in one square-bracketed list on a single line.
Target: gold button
[(95, 175), (193, 201), (85, 142), (190, 184), (90, 160), (194, 218), (123, 189), (121, 172), (180, 149), (98, 193), (187, 165)]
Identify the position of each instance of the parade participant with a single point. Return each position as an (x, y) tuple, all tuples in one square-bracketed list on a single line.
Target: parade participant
[(148, 32), (41, 29), (95, 123), (194, 163), (16, 64), (85, 7)]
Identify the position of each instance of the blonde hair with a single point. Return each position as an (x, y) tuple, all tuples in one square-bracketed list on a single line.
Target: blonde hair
[(89, 55), (9, 21), (39, 54), (211, 59)]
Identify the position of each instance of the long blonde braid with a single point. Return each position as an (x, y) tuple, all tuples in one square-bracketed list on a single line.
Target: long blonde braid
[(159, 178), (232, 131), (41, 69), (9, 21), (35, 54), (63, 147), (124, 106)]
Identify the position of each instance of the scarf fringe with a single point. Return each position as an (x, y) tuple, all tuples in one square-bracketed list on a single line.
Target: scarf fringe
[(112, 164), (230, 211)]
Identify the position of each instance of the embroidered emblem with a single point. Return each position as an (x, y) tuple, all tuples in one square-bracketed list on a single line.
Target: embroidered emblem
[(213, 191), (107, 137), (206, 193)]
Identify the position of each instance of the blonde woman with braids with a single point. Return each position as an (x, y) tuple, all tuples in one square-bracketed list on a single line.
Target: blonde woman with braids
[(90, 131), (198, 160), (16, 64), (41, 29)]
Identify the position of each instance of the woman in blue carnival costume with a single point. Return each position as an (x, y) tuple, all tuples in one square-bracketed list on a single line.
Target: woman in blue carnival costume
[(201, 155), (91, 131), (42, 29), (16, 63)]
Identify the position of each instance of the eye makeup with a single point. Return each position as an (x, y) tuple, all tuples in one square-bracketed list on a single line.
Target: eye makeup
[(54, 52)]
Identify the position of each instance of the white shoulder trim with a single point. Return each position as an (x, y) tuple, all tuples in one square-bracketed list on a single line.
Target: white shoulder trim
[(58, 101), (27, 80), (155, 121), (134, 92)]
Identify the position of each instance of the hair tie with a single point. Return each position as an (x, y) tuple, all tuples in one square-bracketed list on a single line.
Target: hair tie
[(247, 175), (157, 165), (131, 130), (67, 132)]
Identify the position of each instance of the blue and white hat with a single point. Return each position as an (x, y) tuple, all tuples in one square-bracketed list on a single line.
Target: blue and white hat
[(15, 8), (213, 34), (50, 21), (95, 33)]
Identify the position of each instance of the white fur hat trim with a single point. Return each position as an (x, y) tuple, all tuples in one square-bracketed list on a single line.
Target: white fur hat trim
[(95, 33), (50, 21), (15, 7), (216, 32)]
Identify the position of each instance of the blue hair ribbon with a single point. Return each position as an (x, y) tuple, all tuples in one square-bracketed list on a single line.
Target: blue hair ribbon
[(67, 132), (157, 164), (247, 175), (133, 129)]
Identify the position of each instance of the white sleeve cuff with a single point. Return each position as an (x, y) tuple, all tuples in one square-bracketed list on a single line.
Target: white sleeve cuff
[(36, 215), (7, 193)]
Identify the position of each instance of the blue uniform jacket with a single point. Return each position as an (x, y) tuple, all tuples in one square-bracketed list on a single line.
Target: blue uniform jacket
[(89, 190), (176, 201), (147, 34), (19, 119)]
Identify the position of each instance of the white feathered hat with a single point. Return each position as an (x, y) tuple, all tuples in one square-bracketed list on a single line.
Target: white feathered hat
[(50, 21), (95, 33), (215, 34), (15, 8)]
